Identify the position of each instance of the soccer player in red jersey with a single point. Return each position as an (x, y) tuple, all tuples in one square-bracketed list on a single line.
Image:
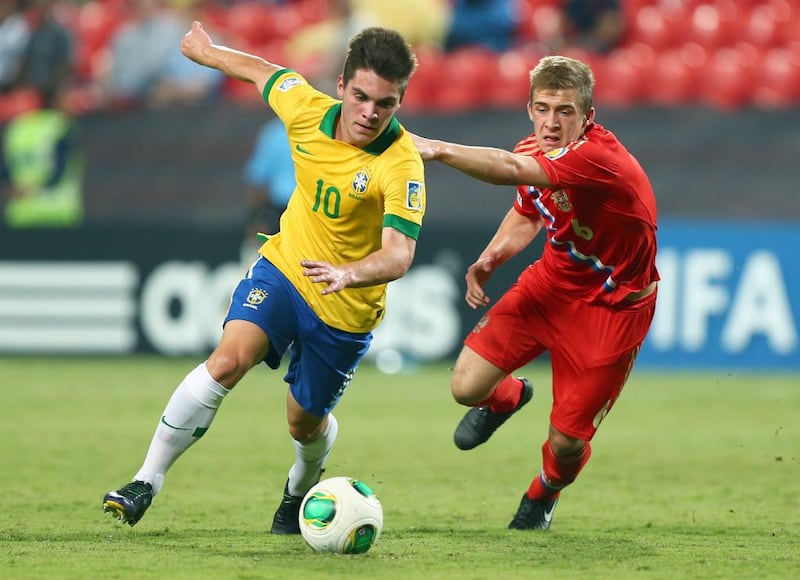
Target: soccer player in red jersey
[(588, 300)]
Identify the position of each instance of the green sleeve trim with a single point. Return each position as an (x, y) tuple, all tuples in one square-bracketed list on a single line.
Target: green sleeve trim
[(272, 80), (402, 225)]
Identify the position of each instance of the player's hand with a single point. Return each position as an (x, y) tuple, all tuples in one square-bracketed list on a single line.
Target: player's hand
[(477, 276), (335, 277), (426, 147), (195, 42)]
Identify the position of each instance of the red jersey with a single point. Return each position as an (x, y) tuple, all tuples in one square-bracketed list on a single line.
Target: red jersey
[(600, 218)]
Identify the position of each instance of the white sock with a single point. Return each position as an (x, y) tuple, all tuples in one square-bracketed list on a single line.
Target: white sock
[(186, 418), (311, 459)]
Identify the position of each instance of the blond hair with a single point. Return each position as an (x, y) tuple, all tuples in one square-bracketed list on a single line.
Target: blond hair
[(561, 72)]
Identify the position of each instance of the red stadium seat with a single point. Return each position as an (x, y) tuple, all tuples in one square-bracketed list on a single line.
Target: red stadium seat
[(537, 21), (256, 23), (771, 24), (716, 24), (729, 79), (778, 82), (509, 85), (462, 83), (651, 27), (18, 102), (674, 77), (619, 76), (94, 26), (423, 85)]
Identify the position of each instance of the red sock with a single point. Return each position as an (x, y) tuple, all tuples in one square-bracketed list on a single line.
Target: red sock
[(557, 473), (505, 397)]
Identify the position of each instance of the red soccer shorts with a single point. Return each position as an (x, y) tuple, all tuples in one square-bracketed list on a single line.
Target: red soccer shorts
[(592, 347)]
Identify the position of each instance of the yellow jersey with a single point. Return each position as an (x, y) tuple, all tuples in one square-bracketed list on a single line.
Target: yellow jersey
[(343, 199)]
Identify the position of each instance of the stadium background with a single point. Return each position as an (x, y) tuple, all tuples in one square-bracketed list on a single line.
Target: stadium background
[(705, 94)]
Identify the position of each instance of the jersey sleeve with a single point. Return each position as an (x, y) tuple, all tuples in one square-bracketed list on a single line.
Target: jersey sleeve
[(405, 195), (580, 165), (289, 94)]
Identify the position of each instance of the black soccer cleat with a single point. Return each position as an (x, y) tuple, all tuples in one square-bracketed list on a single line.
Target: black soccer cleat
[(287, 517), (479, 423), (129, 502), (533, 514)]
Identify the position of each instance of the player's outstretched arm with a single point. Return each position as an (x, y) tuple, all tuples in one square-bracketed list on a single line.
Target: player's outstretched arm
[(488, 164), (197, 46)]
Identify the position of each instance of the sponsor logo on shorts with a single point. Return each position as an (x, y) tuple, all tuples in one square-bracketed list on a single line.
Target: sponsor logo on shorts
[(254, 298), (481, 324), (414, 195)]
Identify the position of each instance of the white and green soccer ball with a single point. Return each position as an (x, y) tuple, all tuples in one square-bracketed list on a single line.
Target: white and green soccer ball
[(341, 515)]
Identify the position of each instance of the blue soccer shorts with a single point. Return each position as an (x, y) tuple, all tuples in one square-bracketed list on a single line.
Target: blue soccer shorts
[(322, 359)]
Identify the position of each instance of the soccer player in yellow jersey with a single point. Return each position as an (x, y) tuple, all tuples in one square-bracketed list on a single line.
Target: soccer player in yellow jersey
[(319, 284)]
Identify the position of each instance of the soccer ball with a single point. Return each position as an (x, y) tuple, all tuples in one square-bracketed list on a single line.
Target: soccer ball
[(341, 515)]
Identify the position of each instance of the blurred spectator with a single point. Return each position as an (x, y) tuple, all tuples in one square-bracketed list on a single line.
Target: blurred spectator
[(42, 168), (144, 64), (420, 22), (14, 33), (269, 182), (596, 25), (47, 63), (489, 23)]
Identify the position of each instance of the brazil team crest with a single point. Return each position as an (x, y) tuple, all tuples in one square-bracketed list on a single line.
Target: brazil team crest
[(360, 182), (254, 298)]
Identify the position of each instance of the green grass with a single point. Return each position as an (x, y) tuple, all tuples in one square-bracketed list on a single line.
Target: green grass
[(692, 476)]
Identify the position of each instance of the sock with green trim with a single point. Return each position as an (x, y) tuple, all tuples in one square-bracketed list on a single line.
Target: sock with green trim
[(186, 418)]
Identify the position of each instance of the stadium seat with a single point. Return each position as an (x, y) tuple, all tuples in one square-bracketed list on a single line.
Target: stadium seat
[(461, 84), (771, 24), (673, 78), (778, 81), (93, 27), (537, 20), (619, 76), (728, 80), (650, 26), (257, 23), (713, 25), (509, 83), (423, 84), (18, 102)]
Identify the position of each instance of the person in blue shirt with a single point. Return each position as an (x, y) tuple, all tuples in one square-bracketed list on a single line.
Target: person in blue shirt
[(269, 181)]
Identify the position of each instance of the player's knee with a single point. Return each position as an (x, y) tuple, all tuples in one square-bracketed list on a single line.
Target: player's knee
[(564, 446), (303, 433), (226, 368), (465, 392)]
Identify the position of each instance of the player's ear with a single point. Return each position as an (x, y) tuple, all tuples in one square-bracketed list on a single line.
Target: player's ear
[(530, 111), (340, 87), (589, 117)]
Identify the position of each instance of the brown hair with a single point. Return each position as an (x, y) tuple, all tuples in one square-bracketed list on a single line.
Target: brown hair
[(383, 51)]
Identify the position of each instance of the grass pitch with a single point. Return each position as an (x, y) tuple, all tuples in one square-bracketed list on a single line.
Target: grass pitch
[(692, 476)]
